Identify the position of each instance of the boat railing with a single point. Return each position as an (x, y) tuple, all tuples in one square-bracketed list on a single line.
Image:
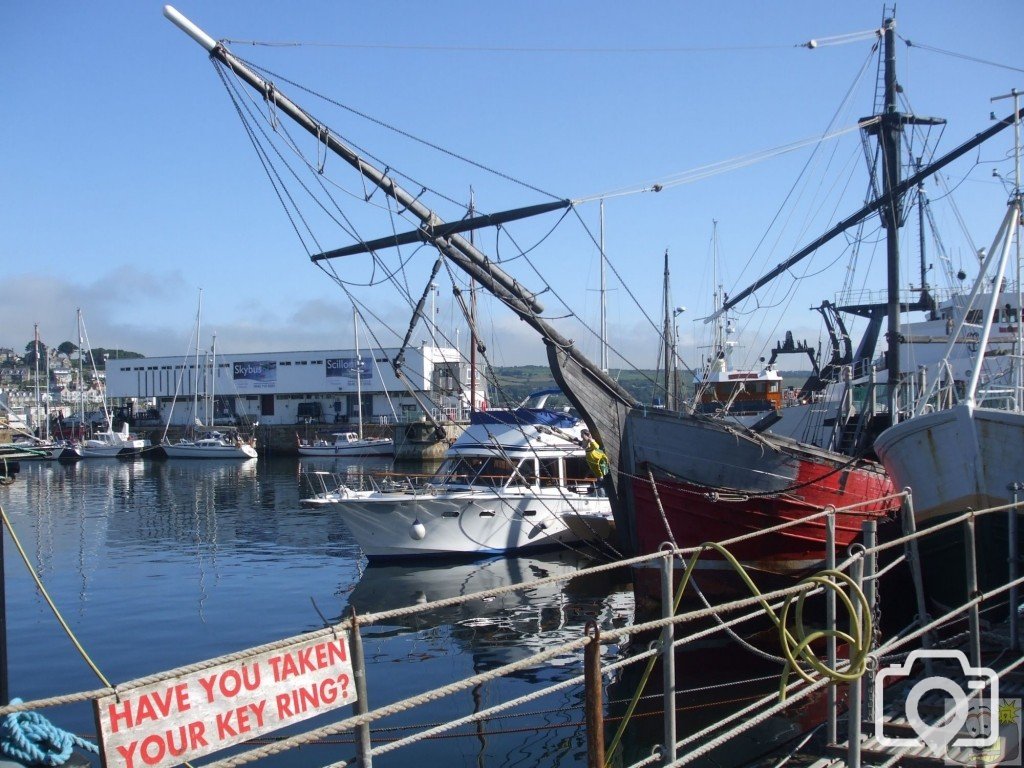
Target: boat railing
[(849, 583)]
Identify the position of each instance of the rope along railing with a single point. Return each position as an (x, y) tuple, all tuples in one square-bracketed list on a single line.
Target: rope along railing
[(780, 606)]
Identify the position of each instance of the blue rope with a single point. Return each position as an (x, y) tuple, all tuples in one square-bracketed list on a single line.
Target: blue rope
[(32, 739)]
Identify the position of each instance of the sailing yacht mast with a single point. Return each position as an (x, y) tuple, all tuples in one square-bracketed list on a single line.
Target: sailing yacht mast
[(472, 318), (81, 374), (195, 380), (359, 371), (212, 415), (35, 413)]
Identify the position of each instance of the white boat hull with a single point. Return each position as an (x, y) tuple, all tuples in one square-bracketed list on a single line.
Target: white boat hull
[(955, 458), (188, 450), (358, 448), (471, 523), (965, 457), (96, 449)]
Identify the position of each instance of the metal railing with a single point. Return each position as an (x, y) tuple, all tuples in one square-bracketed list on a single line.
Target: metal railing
[(849, 580)]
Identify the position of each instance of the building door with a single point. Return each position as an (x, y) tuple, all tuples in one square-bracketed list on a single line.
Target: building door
[(267, 405)]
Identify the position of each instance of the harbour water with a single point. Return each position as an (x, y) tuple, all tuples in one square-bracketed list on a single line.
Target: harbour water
[(159, 564)]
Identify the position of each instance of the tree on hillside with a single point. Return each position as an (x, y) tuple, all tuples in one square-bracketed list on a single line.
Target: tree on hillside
[(31, 351), (67, 349), (100, 355)]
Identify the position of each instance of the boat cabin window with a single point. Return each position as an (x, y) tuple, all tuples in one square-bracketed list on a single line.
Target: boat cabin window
[(577, 471), (549, 473), (493, 472), (525, 474)]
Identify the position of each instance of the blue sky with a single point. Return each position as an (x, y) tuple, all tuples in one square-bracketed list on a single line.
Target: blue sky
[(129, 182)]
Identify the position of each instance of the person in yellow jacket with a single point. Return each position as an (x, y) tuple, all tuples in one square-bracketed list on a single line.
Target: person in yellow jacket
[(597, 460)]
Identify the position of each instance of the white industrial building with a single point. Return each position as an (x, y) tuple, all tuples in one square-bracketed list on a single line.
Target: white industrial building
[(298, 387)]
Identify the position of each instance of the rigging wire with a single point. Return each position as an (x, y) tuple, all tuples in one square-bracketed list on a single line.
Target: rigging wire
[(956, 55), (721, 166), (400, 132), (850, 37)]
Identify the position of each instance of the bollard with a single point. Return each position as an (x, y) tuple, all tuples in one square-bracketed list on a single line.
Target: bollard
[(1014, 555), (854, 703), (668, 658), (972, 591), (593, 696), (830, 622), (361, 706)]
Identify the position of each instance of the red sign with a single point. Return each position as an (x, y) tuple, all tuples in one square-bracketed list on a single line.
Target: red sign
[(185, 717)]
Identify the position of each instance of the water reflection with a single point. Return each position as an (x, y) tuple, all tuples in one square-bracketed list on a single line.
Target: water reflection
[(348, 470), (714, 678), (450, 642), (499, 629)]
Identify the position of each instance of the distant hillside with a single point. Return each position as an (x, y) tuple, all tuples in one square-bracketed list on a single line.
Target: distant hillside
[(509, 385)]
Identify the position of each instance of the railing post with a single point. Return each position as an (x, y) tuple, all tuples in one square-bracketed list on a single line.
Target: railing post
[(1014, 555), (869, 530), (914, 562), (972, 590), (593, 696), (668, 658), (853, 712), (830, 623), (4, 692), (362, 706)]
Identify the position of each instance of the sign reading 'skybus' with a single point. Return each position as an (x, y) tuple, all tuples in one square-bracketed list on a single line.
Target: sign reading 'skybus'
[(186, 717)]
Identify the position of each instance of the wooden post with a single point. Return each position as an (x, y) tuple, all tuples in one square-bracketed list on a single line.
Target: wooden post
[(362, 706), (594, 695)]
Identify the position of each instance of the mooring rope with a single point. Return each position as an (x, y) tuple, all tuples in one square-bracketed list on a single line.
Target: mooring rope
[(34, 740)]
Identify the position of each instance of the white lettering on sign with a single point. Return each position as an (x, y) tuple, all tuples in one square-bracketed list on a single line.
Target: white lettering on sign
[(182, 718)]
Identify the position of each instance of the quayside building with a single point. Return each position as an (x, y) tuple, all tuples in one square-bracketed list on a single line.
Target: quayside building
[(315, 387)]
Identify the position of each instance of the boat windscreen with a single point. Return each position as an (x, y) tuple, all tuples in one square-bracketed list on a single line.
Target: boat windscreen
[(492, 472)]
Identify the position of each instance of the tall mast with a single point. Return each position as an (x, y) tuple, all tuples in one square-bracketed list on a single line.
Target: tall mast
[(35, 414), (81, 375), (213, 383), (46, 418), (889, 138), (667, 338), (472, 319), (359, 371), (195, 387), (604, 305)]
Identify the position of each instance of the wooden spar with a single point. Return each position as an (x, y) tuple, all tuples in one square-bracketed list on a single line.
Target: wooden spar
[(601, 401), (323, 134), (868, 209), (443, 230)]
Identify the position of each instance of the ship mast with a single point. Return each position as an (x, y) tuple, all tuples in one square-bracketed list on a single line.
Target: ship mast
[(601, 401)]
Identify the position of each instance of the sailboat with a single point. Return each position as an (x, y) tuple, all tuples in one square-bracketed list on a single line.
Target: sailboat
[(208, 442), (37, 442), (712, 479), (107, 442), (351, 443)]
